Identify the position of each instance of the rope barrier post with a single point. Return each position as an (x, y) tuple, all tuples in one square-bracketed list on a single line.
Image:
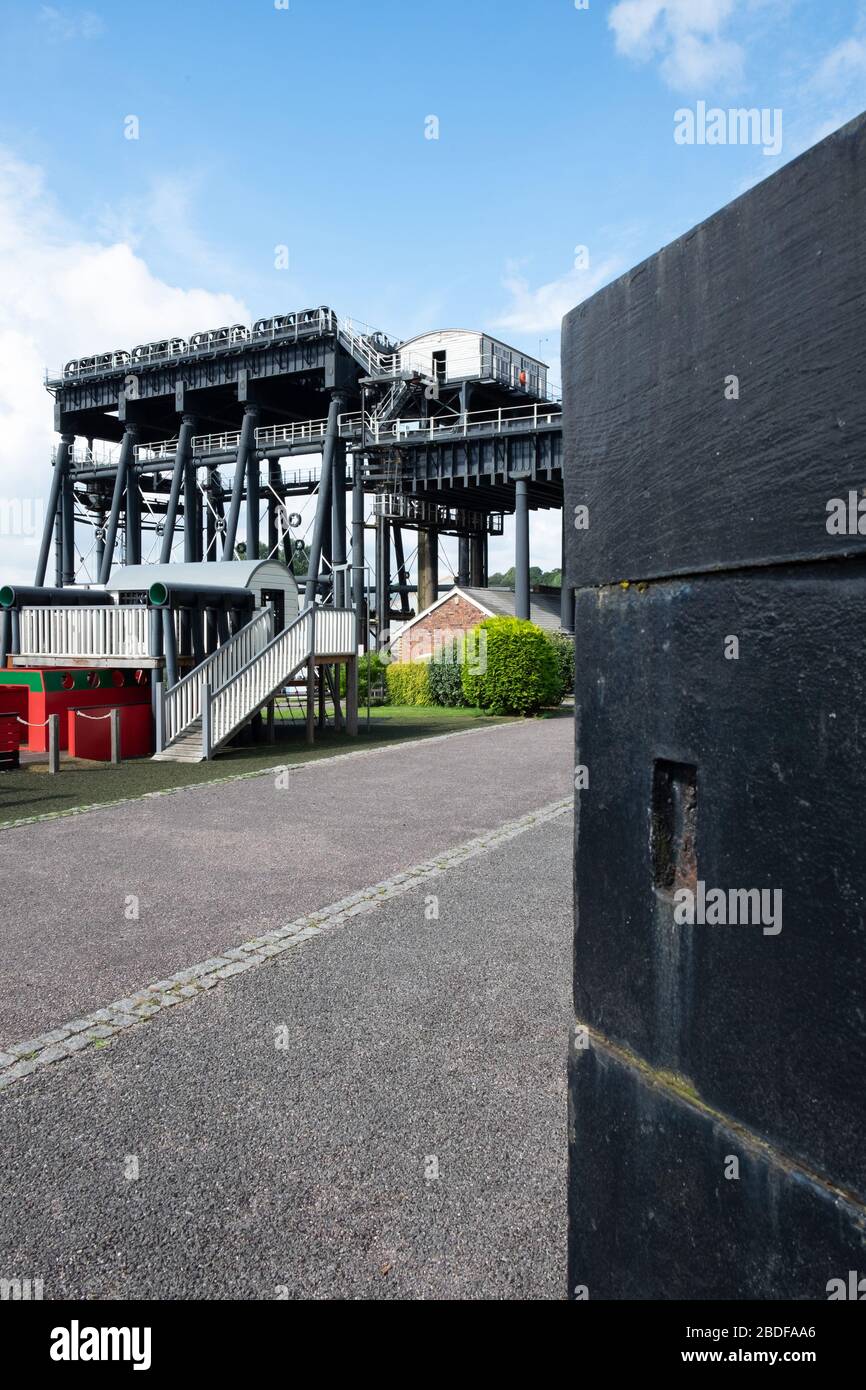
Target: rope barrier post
[(54, 744), (115, 737)]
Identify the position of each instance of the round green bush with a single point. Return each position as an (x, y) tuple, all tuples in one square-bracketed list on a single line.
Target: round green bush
[(510, 667)]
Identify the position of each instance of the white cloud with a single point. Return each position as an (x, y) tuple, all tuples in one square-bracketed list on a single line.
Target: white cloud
[(844, 64), (162, 217), (63, 296), (539, 310), (685, 34), (67, 25)]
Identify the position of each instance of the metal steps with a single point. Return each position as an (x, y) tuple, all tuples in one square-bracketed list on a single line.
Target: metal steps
[(187, 748)]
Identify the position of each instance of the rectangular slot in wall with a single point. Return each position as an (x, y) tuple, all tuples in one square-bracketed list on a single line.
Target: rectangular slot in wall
[(674, 826)]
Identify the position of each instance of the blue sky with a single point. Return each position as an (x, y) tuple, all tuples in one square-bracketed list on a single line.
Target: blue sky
[(304, 127)]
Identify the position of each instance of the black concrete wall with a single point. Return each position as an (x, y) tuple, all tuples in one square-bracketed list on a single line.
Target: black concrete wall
[(772, 289), (741, 764)]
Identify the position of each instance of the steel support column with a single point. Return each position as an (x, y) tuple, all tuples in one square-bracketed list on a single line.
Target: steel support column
[(383, 580), (169, 642), (245, 446), (478, 561), (191, 513), (428, 567), (402, 572), (338, 524), (254, 495), (52, 511), (124, 463), (184, 440), (67, 513), (521, 548), (463, 560), (322, 518), (100, 543), (274, 504), (359, 599)]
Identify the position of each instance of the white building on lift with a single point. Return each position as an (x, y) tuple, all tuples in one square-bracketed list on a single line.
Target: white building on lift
[(454, 355)]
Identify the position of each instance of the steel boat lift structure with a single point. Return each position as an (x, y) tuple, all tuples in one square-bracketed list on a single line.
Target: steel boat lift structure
[(166, 444)]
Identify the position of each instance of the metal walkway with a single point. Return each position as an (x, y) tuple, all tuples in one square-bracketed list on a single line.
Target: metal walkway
[(367, 431)]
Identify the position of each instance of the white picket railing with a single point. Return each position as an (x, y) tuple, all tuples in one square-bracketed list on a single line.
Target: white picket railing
[(320, 632), (183, 701), (98, 631), (335, 632)]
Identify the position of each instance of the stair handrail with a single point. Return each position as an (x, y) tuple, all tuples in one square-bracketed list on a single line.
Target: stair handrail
[(183, 701), (238, 698), (233, 703)]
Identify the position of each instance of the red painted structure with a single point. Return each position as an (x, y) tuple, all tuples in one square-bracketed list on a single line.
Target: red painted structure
[(34, 693), (89, 732)]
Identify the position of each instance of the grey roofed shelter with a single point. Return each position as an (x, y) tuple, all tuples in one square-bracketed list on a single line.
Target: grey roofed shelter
[(228, 574)]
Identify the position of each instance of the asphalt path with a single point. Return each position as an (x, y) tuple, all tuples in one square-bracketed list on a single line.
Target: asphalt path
[(95, 906), (377, 1113)]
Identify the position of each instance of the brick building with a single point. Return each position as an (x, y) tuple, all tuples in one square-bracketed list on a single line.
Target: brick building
[(461, 609)]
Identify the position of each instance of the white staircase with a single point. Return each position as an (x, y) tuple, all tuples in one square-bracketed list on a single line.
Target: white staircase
[(215, 712), (182, 705)]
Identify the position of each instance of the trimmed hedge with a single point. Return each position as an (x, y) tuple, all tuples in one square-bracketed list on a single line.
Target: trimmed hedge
[(510, 667), (407, 683), (563, 646)]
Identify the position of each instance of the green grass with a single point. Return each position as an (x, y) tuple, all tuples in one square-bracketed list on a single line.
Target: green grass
[(32, 792)]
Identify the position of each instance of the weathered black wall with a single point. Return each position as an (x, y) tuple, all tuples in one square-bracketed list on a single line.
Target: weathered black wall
[(773, 290), (737, 765)]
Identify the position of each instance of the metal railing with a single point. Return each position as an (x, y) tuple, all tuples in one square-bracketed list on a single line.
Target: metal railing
[(183, 701), (380, 364), (506, 419), (296, 432), (122, 632), (303, 323)]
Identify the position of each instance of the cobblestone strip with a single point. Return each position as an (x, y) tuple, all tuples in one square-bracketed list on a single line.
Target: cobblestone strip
[(99, 1028), (254, 772)]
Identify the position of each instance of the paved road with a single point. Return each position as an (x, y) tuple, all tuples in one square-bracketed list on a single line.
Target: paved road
[(308, 1169), (211, 867)]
